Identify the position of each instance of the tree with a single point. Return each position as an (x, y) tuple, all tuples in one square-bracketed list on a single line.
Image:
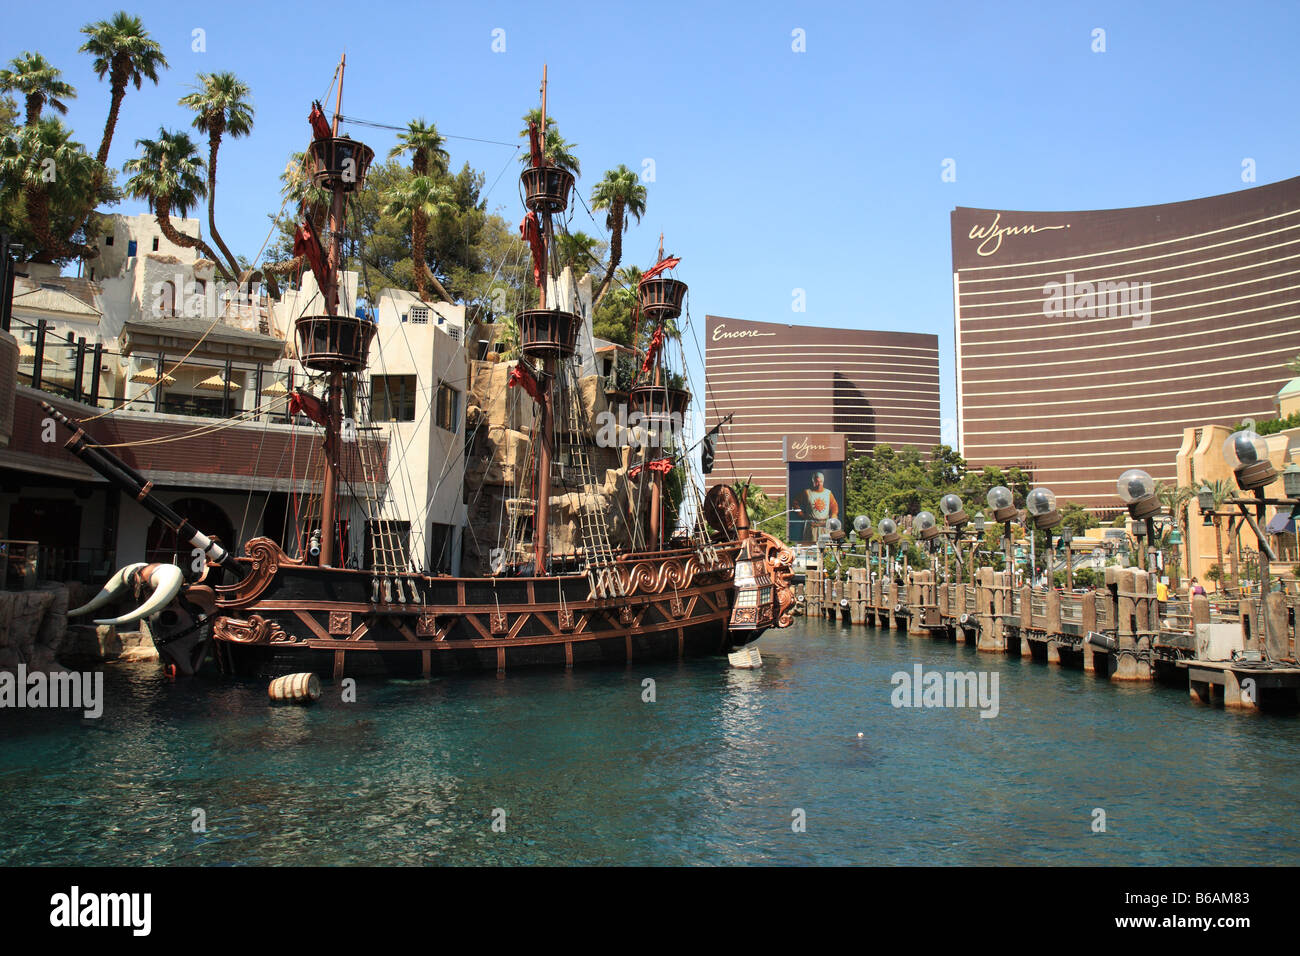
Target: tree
[(1077, 518), (557, 151), (1177, 500), (221, 106), (1222, 490), (423, 141), (418, 200), (577, 251), (168, 175), (45, 178), (38, 81), (622, 194), (125, 53)]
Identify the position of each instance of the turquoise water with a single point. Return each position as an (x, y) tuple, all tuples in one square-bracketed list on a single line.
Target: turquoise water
[(712, 772)]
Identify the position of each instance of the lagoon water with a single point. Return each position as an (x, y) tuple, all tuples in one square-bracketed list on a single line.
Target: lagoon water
[(714, 771)]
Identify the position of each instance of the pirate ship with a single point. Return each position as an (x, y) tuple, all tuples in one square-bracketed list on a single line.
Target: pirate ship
[(706, 585)]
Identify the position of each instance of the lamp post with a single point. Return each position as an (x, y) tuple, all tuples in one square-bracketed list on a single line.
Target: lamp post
[(955, 518), (979, 523), (863, 531), (1040, 509), (888, 531), (1247, 453), (1067, 536), (1003, 505), (1138, 492)]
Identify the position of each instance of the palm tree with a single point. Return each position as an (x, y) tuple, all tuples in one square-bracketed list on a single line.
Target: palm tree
[(123, 52), (25, 159), (1223, 490), (556, 150), (423, 141), (1176, 499), (623, 195), (577, 250), (222, 107), (630, 276), (168, 176), (36, 79), (419, 199)]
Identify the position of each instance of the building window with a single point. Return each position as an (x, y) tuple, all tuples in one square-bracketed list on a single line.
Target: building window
[(155, 243), (130, 247), (448, 409), (419, 316), (108, 240), (392, 398), (440, 541)]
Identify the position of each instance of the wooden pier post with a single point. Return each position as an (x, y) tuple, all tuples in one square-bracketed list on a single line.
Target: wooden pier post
[(857, 595), (993, 594), (1026, 619), (918, 601), (1053, 625), (1133, 627), (1279, 643), (1088, 623)]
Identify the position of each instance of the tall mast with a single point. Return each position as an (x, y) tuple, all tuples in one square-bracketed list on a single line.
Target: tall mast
[(333, 418), (542, 521)]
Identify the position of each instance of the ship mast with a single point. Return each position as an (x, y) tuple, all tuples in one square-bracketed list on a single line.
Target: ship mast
[(547, 334), (333, 343), (333, 422), (542, 510)]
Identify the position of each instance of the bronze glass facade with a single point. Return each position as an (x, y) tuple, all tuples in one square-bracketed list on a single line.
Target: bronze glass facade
[(781, 380), (1087, 341)]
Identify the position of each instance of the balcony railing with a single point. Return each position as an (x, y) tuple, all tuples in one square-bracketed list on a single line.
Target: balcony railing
[(95, 375)]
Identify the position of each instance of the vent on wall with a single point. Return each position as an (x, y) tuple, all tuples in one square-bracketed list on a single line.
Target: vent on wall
[(419, 316)]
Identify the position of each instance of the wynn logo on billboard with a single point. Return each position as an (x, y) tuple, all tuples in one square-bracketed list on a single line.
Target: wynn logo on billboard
[(814, 483)]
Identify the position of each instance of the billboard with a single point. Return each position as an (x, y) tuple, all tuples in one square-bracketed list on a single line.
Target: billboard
[(814, 484)]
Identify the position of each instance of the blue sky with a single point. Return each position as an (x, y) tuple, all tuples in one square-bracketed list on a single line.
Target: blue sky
[(774, 170)]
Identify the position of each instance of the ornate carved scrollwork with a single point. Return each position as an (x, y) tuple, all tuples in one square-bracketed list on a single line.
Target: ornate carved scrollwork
[(265, 558), (780, 562), (255, 630)]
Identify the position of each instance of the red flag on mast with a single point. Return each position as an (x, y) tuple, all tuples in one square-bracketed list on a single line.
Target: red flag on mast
[(530, 231), (523, 376)]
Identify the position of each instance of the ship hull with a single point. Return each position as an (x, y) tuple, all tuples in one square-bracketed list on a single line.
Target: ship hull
[(287, 617)]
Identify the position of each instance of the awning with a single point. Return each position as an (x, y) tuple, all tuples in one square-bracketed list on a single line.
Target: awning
[(1281, 523), (149, 376), (275, 388), (215, 383)]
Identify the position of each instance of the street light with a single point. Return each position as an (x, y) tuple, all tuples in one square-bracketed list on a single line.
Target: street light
[(1247, 453), (1138, 492), (1041, 506), (953, 513), (1003, 505), (1067, 537), (888, 530), (1291, 480)]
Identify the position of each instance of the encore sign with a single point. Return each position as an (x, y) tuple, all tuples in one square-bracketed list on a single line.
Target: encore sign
[(815, 447)]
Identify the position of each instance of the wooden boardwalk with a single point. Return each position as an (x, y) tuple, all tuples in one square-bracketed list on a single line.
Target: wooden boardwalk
[(1119, 631)]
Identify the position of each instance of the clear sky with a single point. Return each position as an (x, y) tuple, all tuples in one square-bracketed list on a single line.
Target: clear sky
[(775, 170)]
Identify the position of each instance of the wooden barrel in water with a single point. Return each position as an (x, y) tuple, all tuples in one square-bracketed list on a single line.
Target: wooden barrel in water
[(295, 689)]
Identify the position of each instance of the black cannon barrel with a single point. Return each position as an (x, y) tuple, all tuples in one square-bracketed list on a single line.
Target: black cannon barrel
[(119, 473)]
